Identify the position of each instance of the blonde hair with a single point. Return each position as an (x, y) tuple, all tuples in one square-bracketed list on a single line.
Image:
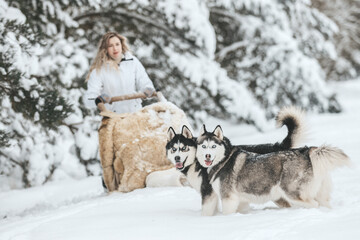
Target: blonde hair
[(102, 55)]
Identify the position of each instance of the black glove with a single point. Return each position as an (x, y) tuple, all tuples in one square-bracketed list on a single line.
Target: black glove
[(103, 98)]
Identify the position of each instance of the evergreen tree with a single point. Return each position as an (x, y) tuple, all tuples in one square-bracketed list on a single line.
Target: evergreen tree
[(32, 107), (273, 47), (346, 15)]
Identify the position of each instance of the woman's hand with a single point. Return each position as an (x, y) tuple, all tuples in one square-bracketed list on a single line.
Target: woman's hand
[(149, 92), (103, 98)]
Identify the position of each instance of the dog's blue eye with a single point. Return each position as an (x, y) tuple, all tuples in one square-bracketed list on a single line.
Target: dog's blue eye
[(183, 148), (213, 146), (174, 149), (203, 146)]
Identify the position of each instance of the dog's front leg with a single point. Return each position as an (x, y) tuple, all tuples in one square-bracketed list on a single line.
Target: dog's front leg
[(243, 207), (209, 204), (230, 204)]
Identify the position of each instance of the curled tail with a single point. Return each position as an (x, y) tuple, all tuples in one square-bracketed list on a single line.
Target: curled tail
[(326, 158), (293, 118)]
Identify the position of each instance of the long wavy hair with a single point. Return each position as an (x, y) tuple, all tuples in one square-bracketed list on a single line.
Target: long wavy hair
[(102, 57)]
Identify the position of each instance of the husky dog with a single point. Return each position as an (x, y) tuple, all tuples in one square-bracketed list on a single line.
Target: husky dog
[(294, 177), (181, 151)]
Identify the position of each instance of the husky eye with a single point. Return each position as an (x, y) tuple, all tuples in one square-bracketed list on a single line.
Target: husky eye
[(183, 148), (213, 146), (203, 146), (173, 149)]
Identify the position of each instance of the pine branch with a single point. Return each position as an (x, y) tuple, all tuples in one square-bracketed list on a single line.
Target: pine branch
[(51, 173), (220, 55), (10, 159), (23, 165), (132, 15), (225, 13), (72, 127)]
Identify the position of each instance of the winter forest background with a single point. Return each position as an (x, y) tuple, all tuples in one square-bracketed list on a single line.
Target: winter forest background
[(232, 59)]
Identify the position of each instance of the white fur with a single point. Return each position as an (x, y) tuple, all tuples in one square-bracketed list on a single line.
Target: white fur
[(324, 159), (230, 204), (216, 186), (239, 201), (207, 147), (165, 178), (323, 195), (194, 179), (210, 204)]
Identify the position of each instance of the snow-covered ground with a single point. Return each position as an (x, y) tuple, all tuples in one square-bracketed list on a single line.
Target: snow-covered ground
[(79, 209)]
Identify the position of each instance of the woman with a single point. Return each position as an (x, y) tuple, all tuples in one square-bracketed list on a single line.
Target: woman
[(116, 72)]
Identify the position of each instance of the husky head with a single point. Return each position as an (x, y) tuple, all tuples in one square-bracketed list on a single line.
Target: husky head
[(181, 148), (211, 147)]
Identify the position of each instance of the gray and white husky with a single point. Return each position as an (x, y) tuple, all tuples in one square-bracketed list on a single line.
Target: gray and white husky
[(293, 177), (181, 151)]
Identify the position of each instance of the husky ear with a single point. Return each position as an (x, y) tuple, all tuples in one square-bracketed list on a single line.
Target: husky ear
[(218, 132), (186, 132), (202, 130), (170, 134)]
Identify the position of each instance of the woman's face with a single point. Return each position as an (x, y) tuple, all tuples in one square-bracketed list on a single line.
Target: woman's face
[(114, 48)]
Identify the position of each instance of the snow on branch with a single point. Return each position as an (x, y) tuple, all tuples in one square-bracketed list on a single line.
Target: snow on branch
[(220, 55), (132, 15)]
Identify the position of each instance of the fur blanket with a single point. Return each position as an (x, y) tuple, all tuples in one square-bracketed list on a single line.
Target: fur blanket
[(132, 145)]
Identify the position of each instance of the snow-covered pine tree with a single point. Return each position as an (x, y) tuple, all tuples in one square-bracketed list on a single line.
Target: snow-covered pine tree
[(272, 46), (33, 105), (346, 14)]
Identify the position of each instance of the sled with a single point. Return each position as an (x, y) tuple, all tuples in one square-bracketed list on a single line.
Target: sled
[(132, 145)]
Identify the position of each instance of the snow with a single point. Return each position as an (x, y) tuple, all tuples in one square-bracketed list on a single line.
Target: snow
[(194, 15), (11, 13), (79, 209), (205, 72)]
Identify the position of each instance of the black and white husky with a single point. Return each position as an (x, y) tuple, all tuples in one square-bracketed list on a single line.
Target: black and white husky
[(294, 177), (181, 151)]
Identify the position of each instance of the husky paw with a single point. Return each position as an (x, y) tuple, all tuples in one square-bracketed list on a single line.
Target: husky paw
[(243, 208), (184, 182)]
